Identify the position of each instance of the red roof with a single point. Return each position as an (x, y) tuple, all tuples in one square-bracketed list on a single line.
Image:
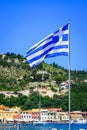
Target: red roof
[(53, 109), (2, 107), (18, 116)]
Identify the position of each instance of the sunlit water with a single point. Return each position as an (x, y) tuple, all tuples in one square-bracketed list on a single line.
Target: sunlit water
[(49, 126)]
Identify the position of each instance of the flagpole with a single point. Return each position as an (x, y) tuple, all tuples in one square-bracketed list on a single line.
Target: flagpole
[(69, 75)]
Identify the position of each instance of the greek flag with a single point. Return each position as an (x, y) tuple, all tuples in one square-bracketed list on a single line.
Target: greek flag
[(55, 44)]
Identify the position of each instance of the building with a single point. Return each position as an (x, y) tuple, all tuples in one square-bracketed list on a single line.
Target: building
[(76, 115), (26, 116), (35, 114), (57, 114), (64, 117), (6, 114), (44, 115), (51, 114)]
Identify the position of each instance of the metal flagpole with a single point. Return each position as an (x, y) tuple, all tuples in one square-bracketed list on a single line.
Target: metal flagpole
[(69, 74)]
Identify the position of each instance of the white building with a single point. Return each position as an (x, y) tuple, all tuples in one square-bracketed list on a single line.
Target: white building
[(26, 116), (64, 85), (44, 115)]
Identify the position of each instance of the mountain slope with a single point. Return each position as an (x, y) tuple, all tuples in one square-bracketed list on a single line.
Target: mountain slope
[(15, 74)]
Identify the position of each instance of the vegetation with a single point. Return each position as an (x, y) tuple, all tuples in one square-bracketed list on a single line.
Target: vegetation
[(15, 75)]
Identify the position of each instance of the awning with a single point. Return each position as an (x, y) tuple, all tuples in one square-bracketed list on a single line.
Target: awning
[(10, 119)]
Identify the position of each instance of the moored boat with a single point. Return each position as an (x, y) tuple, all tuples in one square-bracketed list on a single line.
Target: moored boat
[(79, 121), (37, 123)]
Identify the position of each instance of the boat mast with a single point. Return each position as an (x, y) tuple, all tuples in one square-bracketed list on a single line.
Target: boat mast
[(39, 107)]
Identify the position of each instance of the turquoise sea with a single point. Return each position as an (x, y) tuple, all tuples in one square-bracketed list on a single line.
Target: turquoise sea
[(48, 126)]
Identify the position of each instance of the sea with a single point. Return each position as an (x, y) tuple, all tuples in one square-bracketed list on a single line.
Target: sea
[(48, 126)]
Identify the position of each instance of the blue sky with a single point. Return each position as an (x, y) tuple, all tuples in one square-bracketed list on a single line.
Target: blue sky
[(23, 23)]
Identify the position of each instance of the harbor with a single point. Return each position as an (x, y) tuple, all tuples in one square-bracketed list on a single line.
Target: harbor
[(48, 126)]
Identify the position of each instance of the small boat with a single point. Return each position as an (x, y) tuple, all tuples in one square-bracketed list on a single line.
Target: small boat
[(79, 121), (81, 129), (37, 123)]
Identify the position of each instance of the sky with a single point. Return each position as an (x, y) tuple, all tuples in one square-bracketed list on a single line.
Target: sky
[(23, 23)]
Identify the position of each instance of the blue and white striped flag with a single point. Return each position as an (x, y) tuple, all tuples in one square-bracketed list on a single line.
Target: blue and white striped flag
[(55, 44)]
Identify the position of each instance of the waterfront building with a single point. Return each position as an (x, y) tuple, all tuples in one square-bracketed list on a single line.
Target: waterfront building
[(17, 118), (26, 116), (57, 113), (6, 114), (84, 114), (51, 116), (35, 114), (44, 115), (76, 115), (16, 109), (64, 117)]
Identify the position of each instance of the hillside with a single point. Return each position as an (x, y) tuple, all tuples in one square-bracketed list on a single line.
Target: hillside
[(19, 85), (15, 74)]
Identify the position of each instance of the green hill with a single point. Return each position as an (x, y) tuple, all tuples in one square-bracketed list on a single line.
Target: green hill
[(19, 84), (16, 75)]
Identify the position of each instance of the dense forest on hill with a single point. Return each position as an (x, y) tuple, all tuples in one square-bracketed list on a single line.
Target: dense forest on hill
[(15, 75)]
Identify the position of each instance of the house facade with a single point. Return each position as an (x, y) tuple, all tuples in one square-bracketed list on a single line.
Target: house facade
[(26, 116), (6, 114)]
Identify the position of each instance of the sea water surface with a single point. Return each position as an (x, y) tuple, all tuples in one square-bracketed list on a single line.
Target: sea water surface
[(48, 126)]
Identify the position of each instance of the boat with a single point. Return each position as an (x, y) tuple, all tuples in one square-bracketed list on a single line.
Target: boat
[(38, 123), (79, 121), (81, 129), (54, 129)]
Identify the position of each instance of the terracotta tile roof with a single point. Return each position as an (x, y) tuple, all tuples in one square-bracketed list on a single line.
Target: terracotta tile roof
[(18, 116), (57, 109), (2, 107)]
